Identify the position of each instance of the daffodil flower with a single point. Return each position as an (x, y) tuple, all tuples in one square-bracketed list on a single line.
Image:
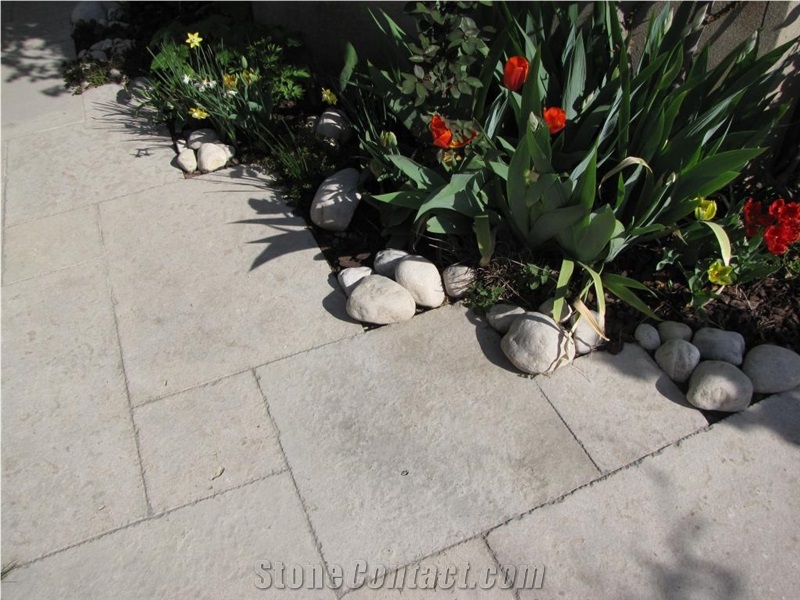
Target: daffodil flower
[(229, 80), (706, 211), (198, 113), (186, 79), (719, 274), (329, 97), (194, 40)]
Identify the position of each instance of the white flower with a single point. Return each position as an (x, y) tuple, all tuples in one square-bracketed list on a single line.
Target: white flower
[(186, 79), (231, 92), (205, 84)]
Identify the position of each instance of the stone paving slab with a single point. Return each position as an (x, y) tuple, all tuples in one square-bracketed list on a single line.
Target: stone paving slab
[(35, 39), (469, 577), (212, 276), (204, 551), (63, 169), (206, 440), (621, 407), (51, 243), (712, 517), (70, 466), (415, 437)]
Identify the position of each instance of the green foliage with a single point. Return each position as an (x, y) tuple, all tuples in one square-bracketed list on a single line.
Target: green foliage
[(644, 140), (237, 91)]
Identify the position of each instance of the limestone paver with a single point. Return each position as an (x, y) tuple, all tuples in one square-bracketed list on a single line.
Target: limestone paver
[(206, 440), (466, 571), (212, 276), (204, 551), (51, 243), (621, 407), (70, 466), (59, 170), (35, 40), (410, 439), (712, 517)]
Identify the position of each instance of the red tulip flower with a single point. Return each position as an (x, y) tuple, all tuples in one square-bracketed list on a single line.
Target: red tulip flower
[(555, 118), (443, 137), (515, 73)]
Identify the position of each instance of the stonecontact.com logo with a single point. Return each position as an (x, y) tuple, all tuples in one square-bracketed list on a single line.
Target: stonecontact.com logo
[(461, 576)]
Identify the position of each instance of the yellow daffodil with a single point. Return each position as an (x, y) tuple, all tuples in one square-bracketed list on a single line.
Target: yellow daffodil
[(329, 97), (198, 113), (229, 80), (194, 40), (706, 211), (720, 274)]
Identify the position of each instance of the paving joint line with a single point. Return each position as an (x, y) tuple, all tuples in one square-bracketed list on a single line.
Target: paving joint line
[(303, 506), (486, 532), (58, 270), (87, 204), (134, 427), (240, 372), (515, 592), (572, 433), (602, 478), (148, 519)]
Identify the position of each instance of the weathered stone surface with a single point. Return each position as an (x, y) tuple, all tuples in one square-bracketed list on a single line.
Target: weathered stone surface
[(712, 517), (772, 369), (673, 330), (386, 261), (187, 160), (457, 280), (182, 328), (718, 385), (74, 177), (546, 308), (648, 337), (198, 137), (678, 358), (585, 336), (51, 243), (718, 344), (69, 446), (205, 551), (421, 277), (211, 157), (333, 124), (398, 444), (336, 201), (620, 406), (536, 344), (434, 581), (351, 277), (502, 315), (381, 301), (201, 442)]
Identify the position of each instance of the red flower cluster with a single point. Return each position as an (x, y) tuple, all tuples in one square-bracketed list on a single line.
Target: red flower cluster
[(781, 223), (443, 137)]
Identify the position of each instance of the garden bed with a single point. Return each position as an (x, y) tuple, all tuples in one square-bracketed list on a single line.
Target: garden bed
[(610, 184)]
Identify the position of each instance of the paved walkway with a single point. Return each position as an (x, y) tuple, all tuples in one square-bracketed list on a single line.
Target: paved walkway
[(184, 399)]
